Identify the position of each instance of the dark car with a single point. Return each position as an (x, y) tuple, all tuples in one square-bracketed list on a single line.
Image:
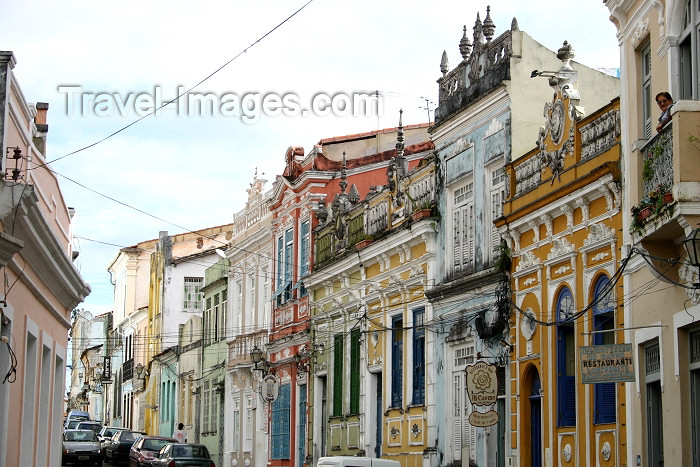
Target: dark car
[(81, 447), (117, 450), (183, 455), (90, 425), (105, 435), (145, 449)]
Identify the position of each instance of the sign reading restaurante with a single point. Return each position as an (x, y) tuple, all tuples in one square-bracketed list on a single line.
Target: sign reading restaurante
[(606, 363)]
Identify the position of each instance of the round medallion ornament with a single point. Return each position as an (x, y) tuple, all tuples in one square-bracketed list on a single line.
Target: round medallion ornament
[(556, 122), (528, 324)]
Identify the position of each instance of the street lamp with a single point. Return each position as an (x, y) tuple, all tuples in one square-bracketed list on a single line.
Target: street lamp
[(256, 355), (692, 246)]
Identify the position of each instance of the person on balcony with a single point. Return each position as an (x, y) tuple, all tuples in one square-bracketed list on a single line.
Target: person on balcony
[(665, 102)]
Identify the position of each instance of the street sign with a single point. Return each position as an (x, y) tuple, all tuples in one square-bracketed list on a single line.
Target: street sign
[(606, 363), (107, 368)]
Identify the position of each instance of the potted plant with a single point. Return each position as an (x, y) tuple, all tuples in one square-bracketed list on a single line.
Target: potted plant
[(364, 242), (422, 210)]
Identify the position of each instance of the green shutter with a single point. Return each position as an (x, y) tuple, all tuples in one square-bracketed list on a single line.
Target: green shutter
[(338, 376), (355, 371)]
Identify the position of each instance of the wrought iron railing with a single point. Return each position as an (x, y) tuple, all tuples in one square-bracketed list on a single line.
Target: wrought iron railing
[(657, 166)]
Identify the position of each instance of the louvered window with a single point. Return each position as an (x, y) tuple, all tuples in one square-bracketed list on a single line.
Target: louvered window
[(397, 362), (605, 403), (646, 98), (193, 295), (498, 195), (280, 430), (463, 229), (418, 357), (338, 376), (355, 371), (566, 368)]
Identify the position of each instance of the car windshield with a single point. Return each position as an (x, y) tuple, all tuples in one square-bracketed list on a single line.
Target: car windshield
[(190, 451), (155, 444), (90, 426), (80, 436), (73, 423), (109, 432)]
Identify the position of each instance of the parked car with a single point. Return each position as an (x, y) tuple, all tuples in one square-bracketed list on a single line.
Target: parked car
[(117, 450), (90, 425), (81, 447), (145, 449), (78, 414), (105, 435), (354, 461), (72, 423), (183, 455)]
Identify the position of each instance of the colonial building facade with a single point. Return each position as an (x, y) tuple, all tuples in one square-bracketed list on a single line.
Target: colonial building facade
[(488, 114), (659, 52), (562, 220), (373, 258)]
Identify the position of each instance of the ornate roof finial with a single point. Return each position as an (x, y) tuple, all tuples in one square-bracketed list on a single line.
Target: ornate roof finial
[(489, 26), (514, 24), (400, 146), (343, 176), (465, 45), (444, 64), (478, 32), (565, 54), (401, 162)]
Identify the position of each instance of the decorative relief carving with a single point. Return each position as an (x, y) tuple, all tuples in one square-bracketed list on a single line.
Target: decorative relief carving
[(689, 274), (548, 224), (562, 270), (528, 281), (606, 451), (569, 213), (641, 29), (528, 325), (527, 175), (600, 256), (415, 430), (416, 271), (600, 135), (582, 204), (598, 233), (396, 300), (536, 229), (566, 452), (394, 432), (527, 259), (560, 246)]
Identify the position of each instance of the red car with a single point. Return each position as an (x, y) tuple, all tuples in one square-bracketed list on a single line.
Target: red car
[(145, 449)]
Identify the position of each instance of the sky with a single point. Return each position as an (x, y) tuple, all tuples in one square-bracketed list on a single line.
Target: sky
[(102, 66)]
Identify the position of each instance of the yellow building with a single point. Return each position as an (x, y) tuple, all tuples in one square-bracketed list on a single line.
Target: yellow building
[(562, 220), (370, 393)]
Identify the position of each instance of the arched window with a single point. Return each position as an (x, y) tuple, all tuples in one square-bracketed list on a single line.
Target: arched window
[(566, 359), (604, 320)]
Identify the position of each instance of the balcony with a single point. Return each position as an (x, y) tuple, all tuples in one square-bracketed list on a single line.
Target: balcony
[(668, 203), (239, 348)]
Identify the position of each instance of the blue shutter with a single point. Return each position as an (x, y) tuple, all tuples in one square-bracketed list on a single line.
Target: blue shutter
[(397, 362), (280, 250), (281, 423), (566, 383), (418, 358), (304, 249)]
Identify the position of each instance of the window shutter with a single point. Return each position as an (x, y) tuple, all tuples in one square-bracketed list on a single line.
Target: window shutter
[(338, 376), (355, 371)]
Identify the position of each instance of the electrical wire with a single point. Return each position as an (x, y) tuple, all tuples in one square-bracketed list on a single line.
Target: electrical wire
[(184, 92)]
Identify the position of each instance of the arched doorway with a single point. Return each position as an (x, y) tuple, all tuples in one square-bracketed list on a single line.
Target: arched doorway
[(536, 421)]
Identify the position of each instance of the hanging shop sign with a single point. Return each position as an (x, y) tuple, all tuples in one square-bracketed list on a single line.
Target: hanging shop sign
[(606, 363), (482, 389)]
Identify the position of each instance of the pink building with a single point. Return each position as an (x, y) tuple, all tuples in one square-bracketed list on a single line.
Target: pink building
[(41, 284)]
